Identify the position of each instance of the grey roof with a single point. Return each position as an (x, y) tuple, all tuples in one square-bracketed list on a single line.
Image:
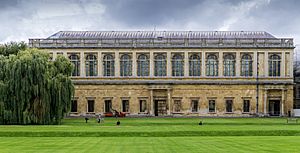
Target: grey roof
[(157, 34)]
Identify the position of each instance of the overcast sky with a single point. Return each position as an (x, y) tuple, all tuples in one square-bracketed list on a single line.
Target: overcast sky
[(23, 19)]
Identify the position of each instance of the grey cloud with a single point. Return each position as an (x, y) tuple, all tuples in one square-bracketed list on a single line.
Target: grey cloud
[(23, 19), (148, 12), (141, 13), (8, 3)]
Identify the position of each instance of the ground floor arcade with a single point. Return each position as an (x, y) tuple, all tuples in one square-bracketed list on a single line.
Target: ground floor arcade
[(180, 100)]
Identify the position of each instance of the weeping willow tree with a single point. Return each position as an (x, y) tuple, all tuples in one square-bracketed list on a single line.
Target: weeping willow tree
[(33, 89)]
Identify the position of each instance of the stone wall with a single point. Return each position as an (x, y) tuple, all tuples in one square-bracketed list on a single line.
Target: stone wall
[(237, 93)]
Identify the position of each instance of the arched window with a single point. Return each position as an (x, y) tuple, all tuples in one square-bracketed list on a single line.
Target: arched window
[(177, 65), (160, 65), (91, 65), (125, 65), (246, 65), (108, 65), (194, 65), (74, 59), (143, 65), (229, 65), (274, 65), (212, 65)]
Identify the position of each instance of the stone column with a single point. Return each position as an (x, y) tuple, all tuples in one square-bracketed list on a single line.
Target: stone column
[(203, 64), (151, 102), (82, 64), (266, 64), (282, 101), (100, 65), (169, 64), (238, 64), (282, 66), (169, 101), (54, 55), (255, 60), (220, 63), (291, 63), (134, 66), (186, 64), (117, 64), (265, 101), (151, 64)]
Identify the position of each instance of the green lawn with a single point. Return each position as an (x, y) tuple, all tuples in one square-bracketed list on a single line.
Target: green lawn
[(155, 135)]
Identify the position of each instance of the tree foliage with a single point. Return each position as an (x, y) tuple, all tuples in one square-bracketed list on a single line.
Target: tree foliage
[(12, 48), (33, 89)]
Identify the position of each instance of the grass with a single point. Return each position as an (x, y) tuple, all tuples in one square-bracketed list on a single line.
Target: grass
[(155, 135)]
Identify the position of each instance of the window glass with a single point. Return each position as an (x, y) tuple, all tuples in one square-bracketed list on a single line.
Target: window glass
[(274, 65), (74, 106), (125, 105), (246, 106), (160, 67), (74, 59), (211, 106), (229, 65), (143, 105), (212, 65), (177, 65), (228, 105), (194, 105), (194, 65), (246, 65), (143, 65), (125, 65), (108, 65), (91, 105), (91, 65), (108, 105)]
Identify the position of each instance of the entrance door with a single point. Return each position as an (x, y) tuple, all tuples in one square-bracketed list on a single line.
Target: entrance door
[(274, 107), (160, 107)]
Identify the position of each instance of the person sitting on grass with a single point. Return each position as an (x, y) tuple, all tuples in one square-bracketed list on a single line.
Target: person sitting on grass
[(118, 123), (200, 123), (86, 119)]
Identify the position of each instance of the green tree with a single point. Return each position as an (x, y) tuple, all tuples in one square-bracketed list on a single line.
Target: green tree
[(33, 89), (12, 48)]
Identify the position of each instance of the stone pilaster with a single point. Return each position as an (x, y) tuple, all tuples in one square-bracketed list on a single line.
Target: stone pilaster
[(203, 64), (100, 64), (150, 107), (282, 101), (282, 66), (117, 64), (169, 64), (266, 64), (151, 64), (82, 64), (238, 64), (186, 64), (265, 101), (220, 63), (255, 60), (169, 101), (291, 63), (134, 66)]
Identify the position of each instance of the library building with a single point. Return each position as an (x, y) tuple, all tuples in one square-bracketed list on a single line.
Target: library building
[(177, 73)]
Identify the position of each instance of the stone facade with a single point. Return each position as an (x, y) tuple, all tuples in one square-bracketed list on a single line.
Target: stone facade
[(221, 95)]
